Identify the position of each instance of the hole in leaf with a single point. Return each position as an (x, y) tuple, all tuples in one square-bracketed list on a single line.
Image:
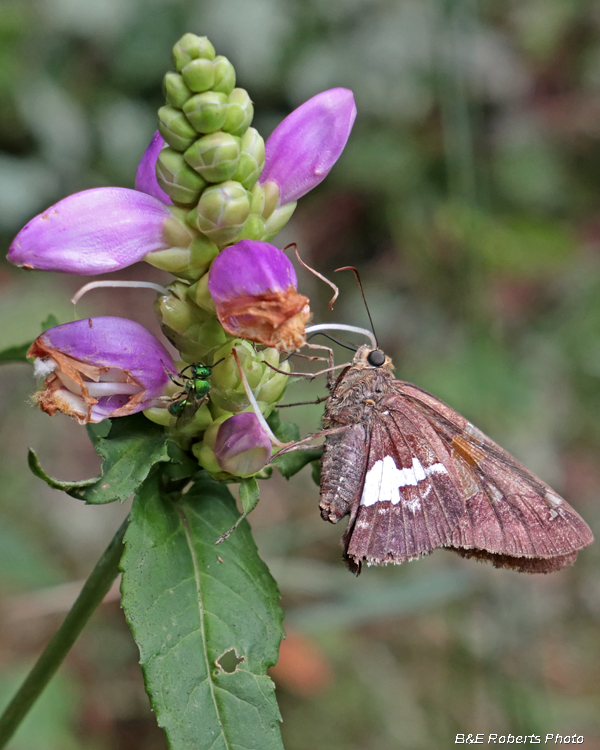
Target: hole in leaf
[(229, 661)]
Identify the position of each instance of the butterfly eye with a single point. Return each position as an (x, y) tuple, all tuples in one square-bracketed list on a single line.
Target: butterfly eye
[(376, 358)]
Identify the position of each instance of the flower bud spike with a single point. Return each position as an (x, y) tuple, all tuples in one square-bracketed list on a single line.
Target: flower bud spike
[(123, 284), (255, 407), (343, 327), (316, 273)]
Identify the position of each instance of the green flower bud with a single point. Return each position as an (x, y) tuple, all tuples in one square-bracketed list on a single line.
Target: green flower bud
[(252, 158), (176, 92), (253, 229), (271, 198), (175, 129), (176, 229), (204, 452), (215, 157), (194, 332), (257, 199), (221, 212), (239, 112), (273, 388), (199, 293), (202, 254), (198, 75), (224, 75), (177, 179), (201, 421), (190, 47), (206, 112), (278, 219)]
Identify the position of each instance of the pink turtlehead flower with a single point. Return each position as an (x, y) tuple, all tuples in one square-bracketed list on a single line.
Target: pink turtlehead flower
[(98, 368), (303, 148)]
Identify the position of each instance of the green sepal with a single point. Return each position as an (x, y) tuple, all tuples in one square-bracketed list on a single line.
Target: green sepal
[(206, 619), (221, 212), (181, 183)]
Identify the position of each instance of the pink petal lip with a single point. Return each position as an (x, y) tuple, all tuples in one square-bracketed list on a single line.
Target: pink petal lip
[(94, 231), (303, 148), (145, 178)]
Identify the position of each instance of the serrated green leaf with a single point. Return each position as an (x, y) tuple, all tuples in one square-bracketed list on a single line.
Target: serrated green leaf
[(15, 353), (291, 463), (206, 619), (131, 448)]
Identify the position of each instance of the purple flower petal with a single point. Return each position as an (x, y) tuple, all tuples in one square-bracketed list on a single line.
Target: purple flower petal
[(253, 285), (92, 232), (250, 267), (303, 148), (145, 178), (100, 367), (242, 447)]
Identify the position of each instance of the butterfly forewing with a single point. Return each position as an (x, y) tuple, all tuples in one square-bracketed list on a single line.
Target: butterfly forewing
[(511, 517), (410, 500)]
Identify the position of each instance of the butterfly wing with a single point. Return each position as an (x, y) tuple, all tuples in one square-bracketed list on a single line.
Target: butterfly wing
[(512, 518), (395, 477)]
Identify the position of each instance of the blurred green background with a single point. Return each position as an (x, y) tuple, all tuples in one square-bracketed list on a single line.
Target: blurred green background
[(468, 197)]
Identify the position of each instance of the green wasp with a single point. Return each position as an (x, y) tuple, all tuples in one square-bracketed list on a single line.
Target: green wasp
[(195, 392)]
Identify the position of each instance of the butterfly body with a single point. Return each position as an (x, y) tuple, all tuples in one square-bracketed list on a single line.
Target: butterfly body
[(414, 475)]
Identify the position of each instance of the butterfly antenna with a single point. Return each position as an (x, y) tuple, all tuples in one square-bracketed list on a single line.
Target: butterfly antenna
[(336, 291), (335, 341), (360, 286)]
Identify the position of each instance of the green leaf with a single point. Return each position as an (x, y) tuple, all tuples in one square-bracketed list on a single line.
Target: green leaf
[(291, 463), (249, 494), (206, 619), (50, 322), (15, 353), (287, 432), (129, 447)]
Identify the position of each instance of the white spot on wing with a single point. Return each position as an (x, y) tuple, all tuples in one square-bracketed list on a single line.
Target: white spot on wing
[(384, 481)]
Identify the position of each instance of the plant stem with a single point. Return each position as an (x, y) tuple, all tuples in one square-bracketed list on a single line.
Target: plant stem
[(93, 592)]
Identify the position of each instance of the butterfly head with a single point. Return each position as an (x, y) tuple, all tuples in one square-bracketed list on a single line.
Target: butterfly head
[(373, 359)]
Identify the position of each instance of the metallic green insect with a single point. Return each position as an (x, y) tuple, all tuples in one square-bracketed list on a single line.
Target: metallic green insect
[(195, 392)]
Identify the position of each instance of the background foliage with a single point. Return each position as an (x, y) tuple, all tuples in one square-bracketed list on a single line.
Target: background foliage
[(468, 197)]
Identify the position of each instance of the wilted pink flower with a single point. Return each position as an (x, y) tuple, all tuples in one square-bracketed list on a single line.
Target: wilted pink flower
[(100, 367), (254, 287)]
